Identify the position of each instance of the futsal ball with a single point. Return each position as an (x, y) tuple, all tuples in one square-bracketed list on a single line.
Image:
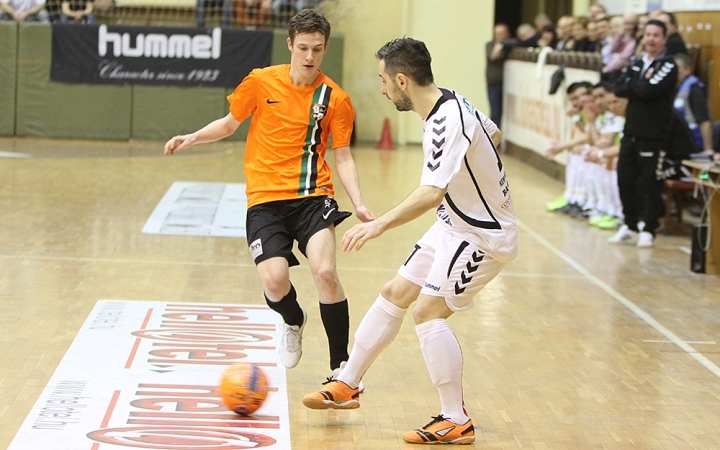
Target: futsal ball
[(244, 388)]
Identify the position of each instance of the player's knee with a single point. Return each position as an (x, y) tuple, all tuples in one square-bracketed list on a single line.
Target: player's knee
[(428, 310), (276, 285), (326, 276)]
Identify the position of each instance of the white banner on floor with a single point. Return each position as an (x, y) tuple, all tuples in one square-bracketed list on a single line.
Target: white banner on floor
[(200, 209), (144, 375)]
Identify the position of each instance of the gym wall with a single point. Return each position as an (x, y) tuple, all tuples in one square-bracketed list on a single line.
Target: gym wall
[(50, 109)]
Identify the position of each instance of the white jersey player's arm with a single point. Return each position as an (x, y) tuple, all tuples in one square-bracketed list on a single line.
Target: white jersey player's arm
[(496, 138), (418, 202), (214, 131)]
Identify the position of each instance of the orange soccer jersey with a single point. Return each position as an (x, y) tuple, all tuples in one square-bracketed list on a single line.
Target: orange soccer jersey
[(287, 141)]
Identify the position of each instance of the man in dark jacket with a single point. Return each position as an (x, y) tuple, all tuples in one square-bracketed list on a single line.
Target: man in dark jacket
[(496, 54), (649, 85), (675, 43)]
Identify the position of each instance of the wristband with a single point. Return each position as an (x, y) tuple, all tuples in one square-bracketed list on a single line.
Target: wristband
[(600, 154)]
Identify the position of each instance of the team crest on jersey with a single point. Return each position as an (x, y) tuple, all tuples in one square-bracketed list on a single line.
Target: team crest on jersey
[(318, 111)]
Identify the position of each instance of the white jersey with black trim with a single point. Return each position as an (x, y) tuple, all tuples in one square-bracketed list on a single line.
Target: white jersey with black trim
[(460, 155)]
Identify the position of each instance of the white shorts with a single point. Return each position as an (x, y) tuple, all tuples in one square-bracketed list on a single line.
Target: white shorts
[(448, 266)]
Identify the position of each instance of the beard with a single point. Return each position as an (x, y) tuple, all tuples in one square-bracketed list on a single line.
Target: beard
[(403, 103)]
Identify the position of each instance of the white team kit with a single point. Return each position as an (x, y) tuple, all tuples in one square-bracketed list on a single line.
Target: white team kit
[(476, 232)]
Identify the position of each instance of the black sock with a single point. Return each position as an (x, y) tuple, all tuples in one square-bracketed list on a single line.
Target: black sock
[(336, 321), (288, 308)]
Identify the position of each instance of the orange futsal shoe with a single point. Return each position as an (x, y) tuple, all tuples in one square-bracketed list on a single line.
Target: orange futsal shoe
[(442, 431), (334, 394)]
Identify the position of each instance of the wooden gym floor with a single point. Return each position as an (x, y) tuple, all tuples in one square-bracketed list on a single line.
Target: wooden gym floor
[(576, 345)]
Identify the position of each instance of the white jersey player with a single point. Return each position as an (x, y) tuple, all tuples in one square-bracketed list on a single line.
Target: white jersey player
[(474, 237)]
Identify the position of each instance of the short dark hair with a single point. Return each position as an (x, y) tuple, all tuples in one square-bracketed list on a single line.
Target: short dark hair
[(577, 85), (657, 23), (683, 58), (308, 21), (408, 56), (602, 85)]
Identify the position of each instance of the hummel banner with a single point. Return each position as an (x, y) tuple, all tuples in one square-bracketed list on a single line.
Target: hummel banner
[(109, 54)]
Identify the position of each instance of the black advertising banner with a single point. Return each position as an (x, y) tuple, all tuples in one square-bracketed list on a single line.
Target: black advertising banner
[(109, 54)]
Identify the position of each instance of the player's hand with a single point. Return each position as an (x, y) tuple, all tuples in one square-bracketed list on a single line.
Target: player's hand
[(603, 142), (178, 143), (364, 214), (552, 150), (358, 235)]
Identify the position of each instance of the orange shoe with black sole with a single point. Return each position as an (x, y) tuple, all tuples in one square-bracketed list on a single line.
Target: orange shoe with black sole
[(442, 431)]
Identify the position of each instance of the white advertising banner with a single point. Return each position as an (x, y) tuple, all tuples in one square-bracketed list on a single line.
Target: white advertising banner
[(200, 209), (533, 118), (144, 375), (691, 5)]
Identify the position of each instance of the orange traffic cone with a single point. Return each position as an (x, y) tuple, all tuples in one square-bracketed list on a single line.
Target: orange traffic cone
[(386, 142)]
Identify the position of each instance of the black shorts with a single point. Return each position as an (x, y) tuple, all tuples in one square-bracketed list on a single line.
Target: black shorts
[(272, 227)]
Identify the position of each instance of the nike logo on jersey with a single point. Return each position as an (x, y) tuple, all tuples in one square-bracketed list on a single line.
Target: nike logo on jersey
[(327, 214), (272, 102)]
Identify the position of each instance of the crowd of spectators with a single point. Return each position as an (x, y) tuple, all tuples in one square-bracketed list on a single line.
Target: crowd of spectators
[(247, 14), (631, 131)]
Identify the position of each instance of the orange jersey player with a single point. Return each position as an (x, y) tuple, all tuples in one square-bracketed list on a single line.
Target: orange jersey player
[(295, 109)]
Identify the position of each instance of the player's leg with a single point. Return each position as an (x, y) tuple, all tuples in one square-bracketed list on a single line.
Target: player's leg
[(459, 271), (334, 313), (378, 328), (271, 248), (376, 331)]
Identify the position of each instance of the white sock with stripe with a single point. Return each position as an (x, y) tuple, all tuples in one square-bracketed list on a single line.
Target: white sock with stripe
[(376, 331), (444, 361)]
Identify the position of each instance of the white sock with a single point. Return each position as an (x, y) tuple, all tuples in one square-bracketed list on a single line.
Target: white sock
[(376, 331), (444, 361)]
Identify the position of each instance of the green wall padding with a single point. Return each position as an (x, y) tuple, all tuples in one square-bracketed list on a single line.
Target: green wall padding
[(161, 112), (63, 110), (8, 67)]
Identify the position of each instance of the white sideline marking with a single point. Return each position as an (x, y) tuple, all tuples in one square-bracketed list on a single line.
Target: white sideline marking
[(14, 155), (625, 302)]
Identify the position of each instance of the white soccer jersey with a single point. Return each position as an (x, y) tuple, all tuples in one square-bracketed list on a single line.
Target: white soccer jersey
[(460, 155)]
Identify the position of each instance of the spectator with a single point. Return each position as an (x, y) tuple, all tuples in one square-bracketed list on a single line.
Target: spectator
[(78, 11), (622, 47), (639, 31), (253, 14), (24, 10), (581, 40), (604, 40), (525, 31), (675, 43), (564, 32), (204, 6), (283, 10), (496, 53), (532, 41), (592, 30), (596, 12), (649, 85), (692, 103), (547, 37)]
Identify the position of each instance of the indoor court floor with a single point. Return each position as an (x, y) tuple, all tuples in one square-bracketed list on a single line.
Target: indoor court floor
[(575, 345)]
